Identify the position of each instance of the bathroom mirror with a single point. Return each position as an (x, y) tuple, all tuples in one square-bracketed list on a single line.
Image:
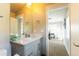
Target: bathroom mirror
[(21, 21), (13, 26), (16, 27), (20, 27)]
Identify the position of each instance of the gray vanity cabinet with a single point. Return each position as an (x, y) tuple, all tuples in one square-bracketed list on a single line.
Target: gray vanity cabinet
[(33, 48), (30, 49), (43, 46), (37, 48)]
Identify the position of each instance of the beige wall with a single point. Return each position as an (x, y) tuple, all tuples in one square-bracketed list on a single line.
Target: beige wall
[(74, 18), (13, 26), (39, 18), (34, 16), (4, 27), (28, 20)]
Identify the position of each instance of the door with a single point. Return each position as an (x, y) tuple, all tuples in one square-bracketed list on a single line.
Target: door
[(57, 44)]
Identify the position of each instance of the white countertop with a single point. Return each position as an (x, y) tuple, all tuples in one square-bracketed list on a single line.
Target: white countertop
[(24, 41)]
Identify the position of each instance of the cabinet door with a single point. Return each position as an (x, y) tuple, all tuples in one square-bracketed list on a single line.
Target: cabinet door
[(28, 49), (29, 52), (43, 45), (37, 48), (33, 49)]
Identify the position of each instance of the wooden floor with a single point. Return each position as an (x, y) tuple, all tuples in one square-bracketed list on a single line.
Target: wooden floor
[(56, 48)]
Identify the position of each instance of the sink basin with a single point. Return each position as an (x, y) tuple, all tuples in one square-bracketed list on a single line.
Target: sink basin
[(25, 40)]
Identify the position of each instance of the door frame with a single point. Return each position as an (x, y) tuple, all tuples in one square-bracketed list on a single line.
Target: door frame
[(51, 6)]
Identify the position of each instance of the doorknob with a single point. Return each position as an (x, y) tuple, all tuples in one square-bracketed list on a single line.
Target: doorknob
[(76, 44)]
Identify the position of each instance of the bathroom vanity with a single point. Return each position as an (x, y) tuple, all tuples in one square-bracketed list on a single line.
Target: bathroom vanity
[(27, 46), (33, 46)]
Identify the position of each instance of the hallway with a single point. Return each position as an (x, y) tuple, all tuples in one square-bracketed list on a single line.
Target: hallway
[(56, 48)]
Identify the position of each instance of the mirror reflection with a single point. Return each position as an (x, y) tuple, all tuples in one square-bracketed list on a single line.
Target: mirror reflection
[(20, 26)]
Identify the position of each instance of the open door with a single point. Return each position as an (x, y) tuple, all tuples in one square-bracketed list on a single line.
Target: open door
[(57, 30)]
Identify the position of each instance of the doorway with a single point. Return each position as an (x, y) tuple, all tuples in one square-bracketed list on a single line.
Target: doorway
[(57, 32)]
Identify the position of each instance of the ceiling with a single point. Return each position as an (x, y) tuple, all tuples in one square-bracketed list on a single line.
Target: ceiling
[(16, 7)]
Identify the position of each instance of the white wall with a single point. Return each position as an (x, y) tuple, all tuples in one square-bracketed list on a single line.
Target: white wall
[(74, 18), (56, 23), (4, 27), (67, 35)]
